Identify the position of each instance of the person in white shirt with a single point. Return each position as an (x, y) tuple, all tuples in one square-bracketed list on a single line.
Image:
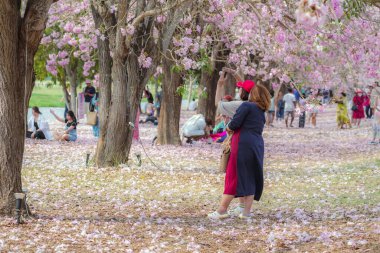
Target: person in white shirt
[(193, 105), (38, 127), (290, 106)]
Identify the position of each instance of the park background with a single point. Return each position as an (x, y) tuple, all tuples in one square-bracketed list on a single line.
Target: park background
[(321, 184)]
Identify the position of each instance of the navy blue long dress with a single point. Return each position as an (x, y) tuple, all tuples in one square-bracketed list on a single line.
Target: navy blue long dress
[(244, 175)]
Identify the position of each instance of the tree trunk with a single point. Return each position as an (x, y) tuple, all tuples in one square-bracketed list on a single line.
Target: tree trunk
[(190, 95), (115, 142), (105, 78), (71, 73), (168, 123), (66, 95), (230, 87), (208, 83), (19, 40), (126, 97), (12, 93)]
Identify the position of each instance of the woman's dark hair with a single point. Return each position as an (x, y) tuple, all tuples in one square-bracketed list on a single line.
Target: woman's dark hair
[(148, 94), (290, 89), (150, 100), (244, 95), (208, 122), (72, 115), (272, 93), (36, 109)]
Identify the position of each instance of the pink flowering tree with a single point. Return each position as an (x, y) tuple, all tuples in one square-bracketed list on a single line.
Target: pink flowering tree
[(68, 48), (129, 28)]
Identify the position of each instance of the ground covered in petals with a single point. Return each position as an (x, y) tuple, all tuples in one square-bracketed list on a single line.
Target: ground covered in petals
[(322, 194)]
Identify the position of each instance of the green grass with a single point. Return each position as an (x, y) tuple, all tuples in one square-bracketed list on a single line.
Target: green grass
[(43, 96)]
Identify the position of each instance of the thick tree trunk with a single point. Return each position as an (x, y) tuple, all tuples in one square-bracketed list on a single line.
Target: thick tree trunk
[(105, 78), (12, 107), (136, 85), (116, 136), (168, 123), (206, 105), (19, 40), (126, 97)]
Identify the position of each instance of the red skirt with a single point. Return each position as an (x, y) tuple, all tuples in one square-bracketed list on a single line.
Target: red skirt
[(359, 113), (231, 180)]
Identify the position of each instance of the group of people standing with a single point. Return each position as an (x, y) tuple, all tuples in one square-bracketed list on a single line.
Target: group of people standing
[(367, 105), (284, 107)]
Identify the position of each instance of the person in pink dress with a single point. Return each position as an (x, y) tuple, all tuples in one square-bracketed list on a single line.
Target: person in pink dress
[(358, 108)]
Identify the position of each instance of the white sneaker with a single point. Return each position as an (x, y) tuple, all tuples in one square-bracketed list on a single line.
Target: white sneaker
[(217, 216), (244, 217), (236, 211)]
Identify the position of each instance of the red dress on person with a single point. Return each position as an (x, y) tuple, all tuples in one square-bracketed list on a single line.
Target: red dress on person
[(359, 112)]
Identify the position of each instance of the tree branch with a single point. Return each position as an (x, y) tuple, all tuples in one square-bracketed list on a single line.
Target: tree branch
[(154, 12)]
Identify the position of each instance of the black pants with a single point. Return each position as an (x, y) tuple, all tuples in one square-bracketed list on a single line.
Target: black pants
[(301, 123), (150, 119), (39, 135), (368, 112)]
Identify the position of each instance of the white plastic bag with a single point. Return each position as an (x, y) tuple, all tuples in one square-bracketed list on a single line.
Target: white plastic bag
[(194, 126)]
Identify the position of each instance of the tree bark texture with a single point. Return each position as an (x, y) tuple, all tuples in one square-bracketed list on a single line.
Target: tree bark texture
[(230, 86), (19, 40), (168, 123), (105, 79)]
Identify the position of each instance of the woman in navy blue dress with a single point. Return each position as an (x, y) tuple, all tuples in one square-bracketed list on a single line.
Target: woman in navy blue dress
[(244, 175)]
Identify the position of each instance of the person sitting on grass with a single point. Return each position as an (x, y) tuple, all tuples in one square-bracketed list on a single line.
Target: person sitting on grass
[(70, 133), (38, 127), (150, 112)]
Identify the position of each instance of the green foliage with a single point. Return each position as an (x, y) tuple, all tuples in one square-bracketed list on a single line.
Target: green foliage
[(181, 90), (205, 62), (353, 8), (203, 95), (176, 69)]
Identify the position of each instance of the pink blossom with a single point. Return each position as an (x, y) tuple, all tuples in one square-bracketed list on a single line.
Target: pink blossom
[(280, 37), (64, 62), (69, 26), (77, 30), (160, 19), (145, 61), (62, 54)]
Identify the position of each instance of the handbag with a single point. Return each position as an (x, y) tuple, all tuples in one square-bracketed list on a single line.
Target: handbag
[(91, 118), (225, 157), (354, 107)]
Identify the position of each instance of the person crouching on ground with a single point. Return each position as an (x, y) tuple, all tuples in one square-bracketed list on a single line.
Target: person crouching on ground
[(70, 133), (38, 127), (244, 175)]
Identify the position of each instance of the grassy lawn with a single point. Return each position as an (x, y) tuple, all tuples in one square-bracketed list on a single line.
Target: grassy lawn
[(43, 96)]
